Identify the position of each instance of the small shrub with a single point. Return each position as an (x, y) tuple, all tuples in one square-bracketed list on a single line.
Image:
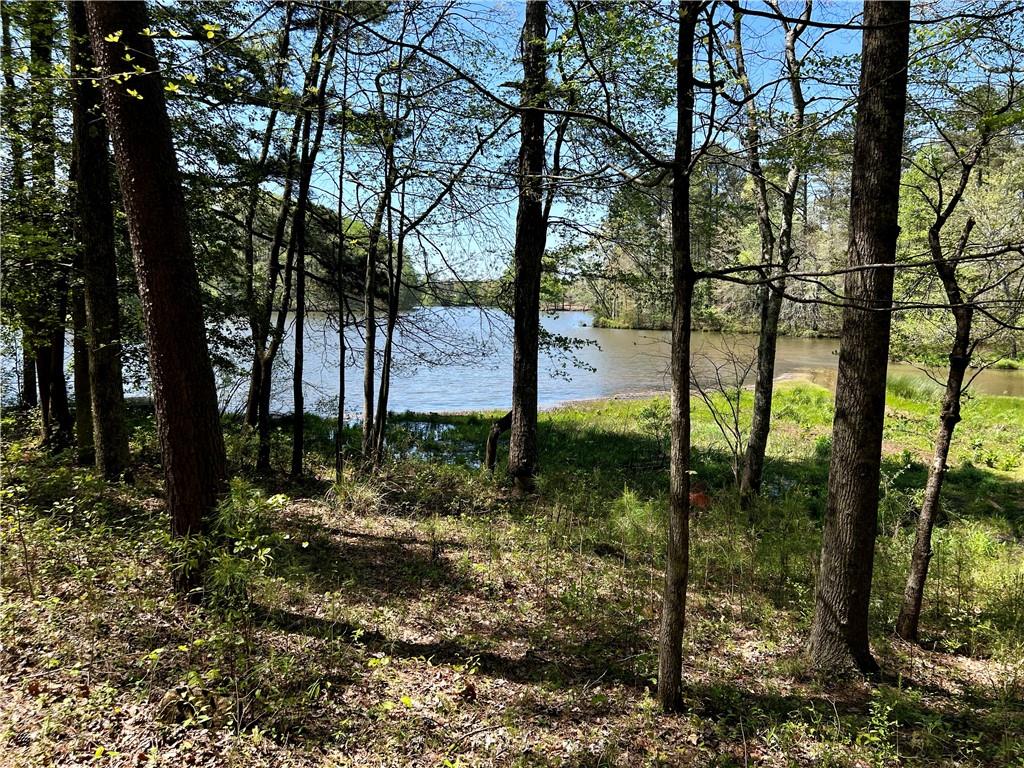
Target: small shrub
[(237, 551)]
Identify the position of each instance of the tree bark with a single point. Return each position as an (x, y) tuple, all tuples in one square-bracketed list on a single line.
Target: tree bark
[(396, 262), (309, 154), (98, 260), (48, 319), (12, 101), (531, 236), (959, 360), (498, 428), (339, 434), (252, 303), (839, 632), (370, 313), (677, 563), (268, 340), (184, 393), (83, 396), (29, 395), (913, 594), (58, 424), (770, 295)]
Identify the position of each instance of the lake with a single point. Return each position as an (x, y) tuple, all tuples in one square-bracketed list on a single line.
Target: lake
[(460, 359)]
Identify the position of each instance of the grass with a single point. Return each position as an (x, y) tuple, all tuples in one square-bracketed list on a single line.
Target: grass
[(424, 616)]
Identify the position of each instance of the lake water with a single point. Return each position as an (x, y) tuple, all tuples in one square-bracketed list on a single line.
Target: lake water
[(460, 359), (457, 359)]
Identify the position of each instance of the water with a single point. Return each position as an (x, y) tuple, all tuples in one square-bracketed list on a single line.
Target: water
[(460, 359)]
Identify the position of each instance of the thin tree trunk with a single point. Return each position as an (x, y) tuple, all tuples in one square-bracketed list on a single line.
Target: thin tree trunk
[(98, 261), (49, 321), (309, 154), (60, 411), (839, 631), (959, 360), (268, 340), (252, 303), (531, 236), (677, 563), (395, 267), (339, 434), (184, 393), (498, 428), (12, 101), (370, 314), (42, 357), (913, 594), (770, 295)]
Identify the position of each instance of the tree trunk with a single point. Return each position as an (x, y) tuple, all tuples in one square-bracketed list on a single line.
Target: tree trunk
[(770, 302), (531, 236), (43, 375), (263, 421), (83, 396), (339, 434), (48, 319), (98, 260), (252, 303), (370, 315), (12, 102), (839, 632), (498, 428), (309, 153), (29, 396), (184, 393), (61, 422), (677, 563), (395, 266), (959, 359), (268, 341), (252, 398), (771, 295)]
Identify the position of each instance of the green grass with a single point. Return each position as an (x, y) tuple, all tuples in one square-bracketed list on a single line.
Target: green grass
[(423, 615)]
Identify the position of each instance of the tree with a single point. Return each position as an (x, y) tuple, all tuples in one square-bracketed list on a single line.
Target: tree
[(184, 395), (839, 632), (98, 263), (970, 123), (15, 191), (298, 235), (770, 295), (46, 307), (531, 234), (677, 563)]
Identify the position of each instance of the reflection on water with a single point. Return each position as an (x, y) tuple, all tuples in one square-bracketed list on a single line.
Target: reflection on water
[(461, 359)]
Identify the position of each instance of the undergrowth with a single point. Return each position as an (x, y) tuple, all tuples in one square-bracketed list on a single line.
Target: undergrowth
[(422, 615)]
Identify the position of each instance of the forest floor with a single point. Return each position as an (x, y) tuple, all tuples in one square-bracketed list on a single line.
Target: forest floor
[(423, 616)]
